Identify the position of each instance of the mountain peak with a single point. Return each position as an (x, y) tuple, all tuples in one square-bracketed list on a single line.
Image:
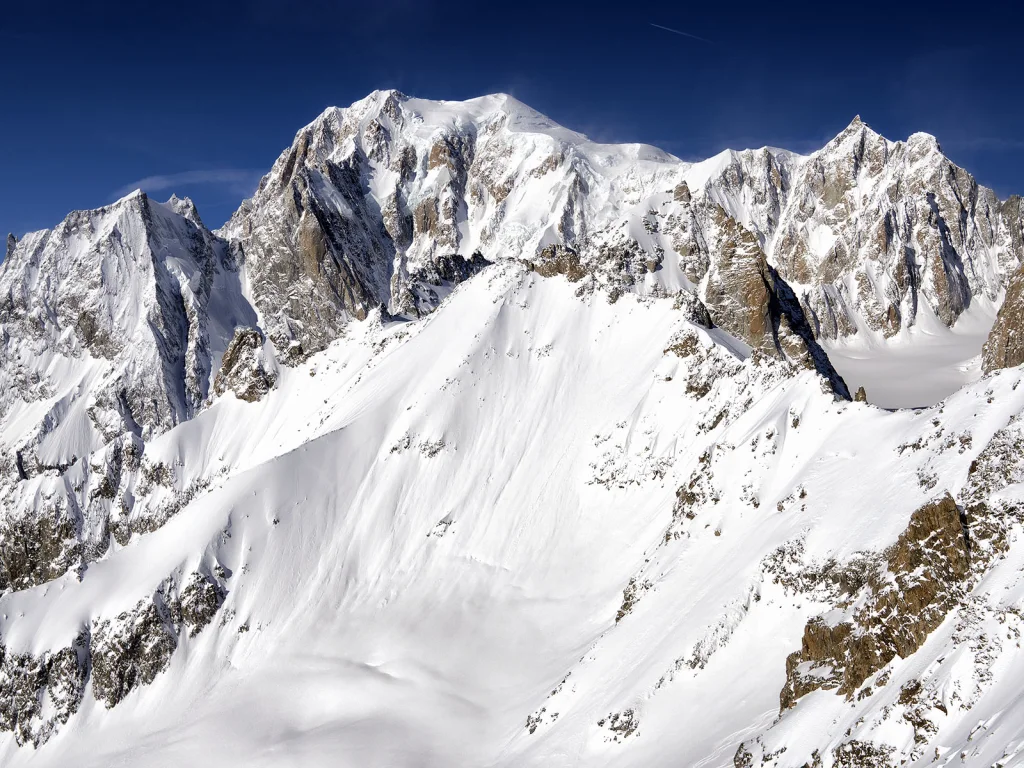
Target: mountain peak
[(922, 139), (856, 128), (383, 94), (183, 206)]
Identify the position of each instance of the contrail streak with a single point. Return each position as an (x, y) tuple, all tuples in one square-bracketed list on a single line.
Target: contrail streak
[(680, 32)]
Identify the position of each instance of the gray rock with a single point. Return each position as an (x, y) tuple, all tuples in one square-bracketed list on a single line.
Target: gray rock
[(41, 693), (245, 368)]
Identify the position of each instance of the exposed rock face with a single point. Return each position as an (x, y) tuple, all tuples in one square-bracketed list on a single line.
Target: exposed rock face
[(694, 309), (117, 655), (131, 650), (736, 293), (64, 518), (34, 550), (245, 370), (131, 284), (40, 693), (200, 600), (746, 296), (316, 253), (906, 596), (427, 286), (886, 607), (559, 260), (1005, 345), (873, 230), (68, 524), (323, 247)]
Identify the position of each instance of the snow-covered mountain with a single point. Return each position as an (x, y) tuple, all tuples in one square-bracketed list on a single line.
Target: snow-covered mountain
[(877, 232), (871, 232), (468, 441)]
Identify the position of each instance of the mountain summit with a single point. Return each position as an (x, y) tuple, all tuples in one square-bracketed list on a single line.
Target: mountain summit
[(873, 234)]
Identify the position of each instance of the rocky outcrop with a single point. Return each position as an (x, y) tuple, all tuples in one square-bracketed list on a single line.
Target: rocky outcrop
[(737, 291), (41, 692), (316, 252), (747, 297), (69, 527), (246, 370), (35, 549), (558, 260), (693, 308), (131, 649), (888, 606), (904, 597), (424, 288), (1004, 347)]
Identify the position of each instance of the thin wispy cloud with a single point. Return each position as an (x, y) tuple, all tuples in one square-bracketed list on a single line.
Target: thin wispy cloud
[(237, 180), (680, 32)]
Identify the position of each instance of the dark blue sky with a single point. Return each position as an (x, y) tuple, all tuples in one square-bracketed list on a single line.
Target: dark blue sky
[(200, 98)]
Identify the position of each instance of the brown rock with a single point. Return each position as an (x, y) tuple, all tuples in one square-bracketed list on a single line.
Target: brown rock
[(1005, 345), (747, 297), (917, 582), (559, 260)]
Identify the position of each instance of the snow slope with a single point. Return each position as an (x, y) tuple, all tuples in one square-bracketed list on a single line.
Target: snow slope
[(426, 532), (469, 441), (918, 367)]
